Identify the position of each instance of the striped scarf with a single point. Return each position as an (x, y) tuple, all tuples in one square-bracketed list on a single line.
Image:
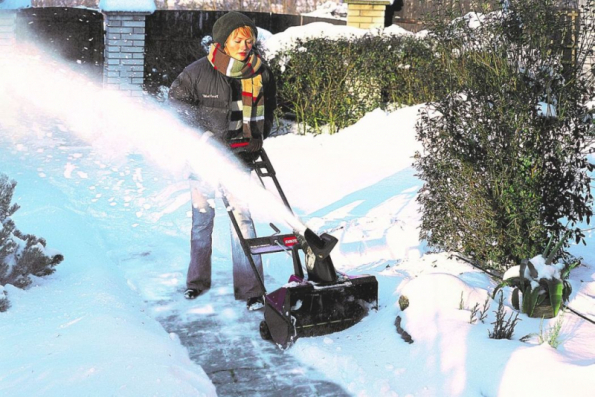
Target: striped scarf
[(252, 93)]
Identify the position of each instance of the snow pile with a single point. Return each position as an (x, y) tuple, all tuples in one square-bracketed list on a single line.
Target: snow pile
[(83, 331), (386, 146), (396, 30)]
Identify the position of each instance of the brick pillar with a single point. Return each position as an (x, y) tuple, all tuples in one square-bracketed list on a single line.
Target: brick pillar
[(7, 29), (124, 53), (8, 18), (366, 14)]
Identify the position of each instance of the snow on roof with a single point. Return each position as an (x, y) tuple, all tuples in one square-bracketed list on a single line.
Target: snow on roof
[(329, 9), (127, 5), (14, 4)]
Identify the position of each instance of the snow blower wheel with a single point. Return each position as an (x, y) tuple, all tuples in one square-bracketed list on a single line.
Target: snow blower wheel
[(264, 331)]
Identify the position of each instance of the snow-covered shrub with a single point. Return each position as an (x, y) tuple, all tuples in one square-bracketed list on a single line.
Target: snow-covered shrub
[(4, 303), (329, 84), (500, 176), (21, 255), (312, 83), (401, 67)]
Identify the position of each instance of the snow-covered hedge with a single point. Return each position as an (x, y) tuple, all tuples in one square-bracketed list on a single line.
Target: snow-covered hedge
[(329, 82), (21, 255)]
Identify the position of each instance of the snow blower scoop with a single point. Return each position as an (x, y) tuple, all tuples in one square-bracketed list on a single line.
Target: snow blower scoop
[(318, 303)]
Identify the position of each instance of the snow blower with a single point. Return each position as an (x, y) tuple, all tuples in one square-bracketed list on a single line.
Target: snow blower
[(321, 302)]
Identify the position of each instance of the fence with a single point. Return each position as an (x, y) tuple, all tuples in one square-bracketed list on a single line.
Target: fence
[(173, 38), (73, 34)]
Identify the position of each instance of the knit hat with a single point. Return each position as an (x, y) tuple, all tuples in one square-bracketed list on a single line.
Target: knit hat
[(228, 23)]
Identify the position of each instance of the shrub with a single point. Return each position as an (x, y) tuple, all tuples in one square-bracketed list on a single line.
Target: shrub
[(4, 303), (314, 81), (504, 162), (329, 84), (402, 68), (21, 255), (552, 334), (503, 328)]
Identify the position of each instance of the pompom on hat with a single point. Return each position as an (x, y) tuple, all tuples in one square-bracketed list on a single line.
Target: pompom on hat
[(229, 22)]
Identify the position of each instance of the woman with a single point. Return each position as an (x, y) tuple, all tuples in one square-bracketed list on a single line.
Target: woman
[(231, 93)]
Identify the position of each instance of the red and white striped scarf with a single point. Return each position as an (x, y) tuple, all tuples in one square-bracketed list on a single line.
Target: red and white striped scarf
[(252, 92)]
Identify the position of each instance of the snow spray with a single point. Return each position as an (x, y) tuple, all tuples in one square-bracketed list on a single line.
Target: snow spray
[(34, 87)]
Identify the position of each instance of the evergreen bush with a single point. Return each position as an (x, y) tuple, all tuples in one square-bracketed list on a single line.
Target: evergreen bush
[(504, 159), (21, 255)]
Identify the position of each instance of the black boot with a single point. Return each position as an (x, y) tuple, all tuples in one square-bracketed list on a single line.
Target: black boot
[(255, 303), (191, 293)]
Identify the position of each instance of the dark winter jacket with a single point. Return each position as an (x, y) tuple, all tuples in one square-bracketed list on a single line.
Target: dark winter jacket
[(203, 97)]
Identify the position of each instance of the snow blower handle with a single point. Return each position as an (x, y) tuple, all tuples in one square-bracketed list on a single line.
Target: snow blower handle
[(242, 146), (239, 145)]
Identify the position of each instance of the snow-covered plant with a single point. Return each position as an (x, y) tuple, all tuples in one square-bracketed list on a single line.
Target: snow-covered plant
[(21, 255), (503, 328), (551, 335), (540, 282), (478, 313), (536, 282), (500, 173)]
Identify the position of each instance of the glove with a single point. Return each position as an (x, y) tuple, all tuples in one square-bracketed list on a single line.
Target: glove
[(254, 145)]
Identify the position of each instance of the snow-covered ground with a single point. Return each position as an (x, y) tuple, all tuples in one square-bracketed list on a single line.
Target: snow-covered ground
[(104, 182)]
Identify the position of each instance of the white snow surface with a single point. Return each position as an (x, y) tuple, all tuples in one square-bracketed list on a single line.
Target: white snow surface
[(104, 181)]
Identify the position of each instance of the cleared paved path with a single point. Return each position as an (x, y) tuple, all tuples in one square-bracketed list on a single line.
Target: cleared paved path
[(226, 342)]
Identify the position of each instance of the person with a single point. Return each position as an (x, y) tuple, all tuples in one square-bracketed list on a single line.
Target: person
[(230, 93)]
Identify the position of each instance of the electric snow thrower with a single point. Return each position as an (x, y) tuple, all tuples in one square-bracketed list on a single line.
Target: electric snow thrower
[(318, 303)]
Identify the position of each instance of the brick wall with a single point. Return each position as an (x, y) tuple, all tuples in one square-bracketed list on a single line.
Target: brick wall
[(7, 29), (124, 52), (366, 14)]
